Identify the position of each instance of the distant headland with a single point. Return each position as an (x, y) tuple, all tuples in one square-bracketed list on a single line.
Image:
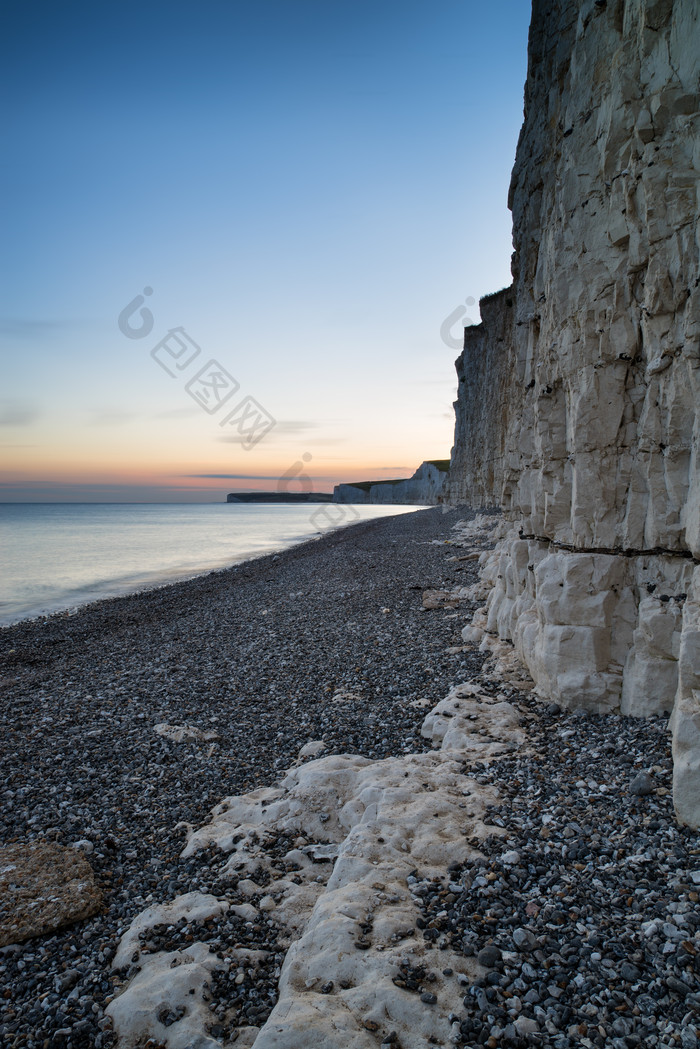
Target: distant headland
[(279, 497), (424, 488)]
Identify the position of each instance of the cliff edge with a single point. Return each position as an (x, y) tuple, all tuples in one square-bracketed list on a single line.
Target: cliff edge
[(577, 408), (425, 488)]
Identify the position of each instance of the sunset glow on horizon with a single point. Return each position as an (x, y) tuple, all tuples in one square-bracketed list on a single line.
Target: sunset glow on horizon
[(242, 208)]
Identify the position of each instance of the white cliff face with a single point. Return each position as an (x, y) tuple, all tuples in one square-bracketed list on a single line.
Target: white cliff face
[(685, 721), (607, 325), (578, 398), (425, 488), (599, 631)]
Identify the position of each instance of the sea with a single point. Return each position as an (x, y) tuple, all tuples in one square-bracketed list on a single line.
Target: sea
[(59, 556)]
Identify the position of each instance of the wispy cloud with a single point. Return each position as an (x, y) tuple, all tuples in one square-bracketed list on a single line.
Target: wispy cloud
[(316, 480), (66, 492), (234, 438), (111, 417), (447, 381), (235, 477), (177, 413), (25, 328), (289, 427), (323, 441), (297, 428), (17, 413), (282, 428)]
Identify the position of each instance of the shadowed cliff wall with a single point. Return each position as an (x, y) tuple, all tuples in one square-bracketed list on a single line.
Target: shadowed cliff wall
[(577, 409), (484, 412)]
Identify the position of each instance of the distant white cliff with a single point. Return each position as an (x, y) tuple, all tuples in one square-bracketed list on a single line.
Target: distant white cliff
[(426, 487)]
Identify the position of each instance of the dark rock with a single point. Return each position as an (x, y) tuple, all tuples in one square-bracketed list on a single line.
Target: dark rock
[(642, 784), (489, 956), (679, 986), (524, 939)]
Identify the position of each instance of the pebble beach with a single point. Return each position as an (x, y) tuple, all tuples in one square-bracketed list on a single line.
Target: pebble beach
[(124, 724)]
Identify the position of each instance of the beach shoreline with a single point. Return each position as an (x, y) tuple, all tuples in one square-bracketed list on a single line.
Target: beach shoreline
[(126, 725), (97, 577), (253, 653)]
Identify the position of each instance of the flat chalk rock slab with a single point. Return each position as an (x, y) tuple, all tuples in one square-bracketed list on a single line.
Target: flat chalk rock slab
[(43, 888)]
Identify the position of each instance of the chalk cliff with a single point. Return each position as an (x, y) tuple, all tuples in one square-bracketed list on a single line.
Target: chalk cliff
[(425, 488), (577, 409)]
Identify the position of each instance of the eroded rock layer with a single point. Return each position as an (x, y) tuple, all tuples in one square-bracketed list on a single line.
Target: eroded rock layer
[(578, 398)]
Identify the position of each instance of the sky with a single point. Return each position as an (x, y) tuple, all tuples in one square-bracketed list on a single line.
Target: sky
[(241, 238)]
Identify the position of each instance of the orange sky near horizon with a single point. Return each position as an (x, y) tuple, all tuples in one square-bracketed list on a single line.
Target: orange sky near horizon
[(304, 200), (104, 469)]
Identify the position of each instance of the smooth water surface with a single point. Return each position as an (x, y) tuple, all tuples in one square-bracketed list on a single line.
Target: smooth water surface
[(55, 556)]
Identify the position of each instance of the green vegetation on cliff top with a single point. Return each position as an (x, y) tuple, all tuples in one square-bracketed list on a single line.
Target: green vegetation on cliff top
[(443, 465)]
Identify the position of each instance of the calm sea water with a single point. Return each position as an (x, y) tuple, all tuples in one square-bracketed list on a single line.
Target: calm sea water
[(56, 556)]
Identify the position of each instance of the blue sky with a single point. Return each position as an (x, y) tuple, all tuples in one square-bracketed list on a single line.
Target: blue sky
[(308, 188)]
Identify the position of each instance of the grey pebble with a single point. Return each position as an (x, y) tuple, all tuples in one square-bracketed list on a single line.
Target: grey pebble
[(642, 785), (524, 939), (489, 956), (66, 980), (679, 986), (81, 760), (596, 898), (598, 921)]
